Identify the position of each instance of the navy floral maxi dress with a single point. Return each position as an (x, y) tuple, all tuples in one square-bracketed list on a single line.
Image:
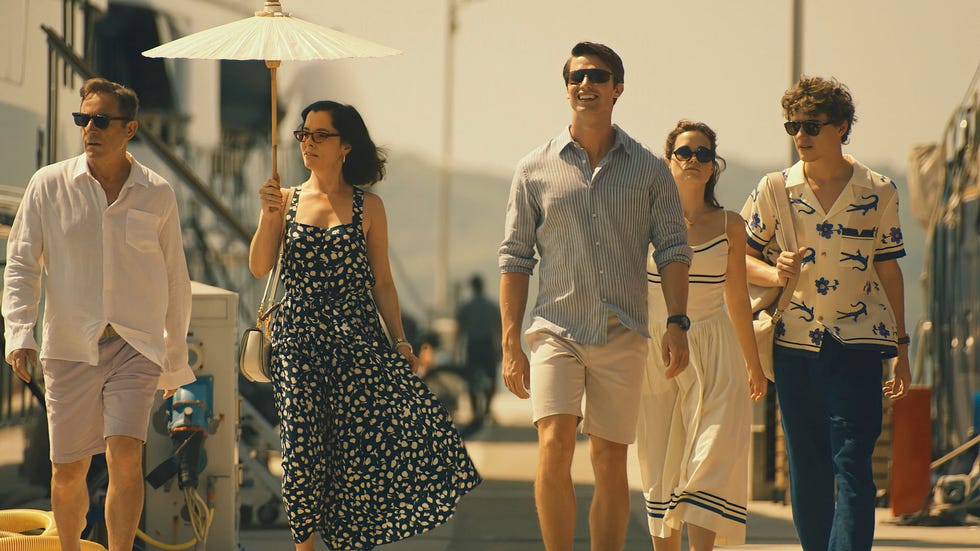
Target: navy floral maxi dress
[(369, 455)]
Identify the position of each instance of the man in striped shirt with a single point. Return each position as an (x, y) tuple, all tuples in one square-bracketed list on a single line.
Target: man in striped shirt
[(591, 201)]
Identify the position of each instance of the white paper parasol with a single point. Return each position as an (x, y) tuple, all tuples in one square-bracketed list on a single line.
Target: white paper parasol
[(271, 35)]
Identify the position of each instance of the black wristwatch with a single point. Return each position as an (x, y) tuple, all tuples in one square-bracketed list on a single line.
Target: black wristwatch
[(681, 320)]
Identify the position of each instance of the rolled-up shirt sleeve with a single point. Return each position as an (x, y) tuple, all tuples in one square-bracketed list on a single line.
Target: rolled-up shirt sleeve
[(667, 231), (516, 253)]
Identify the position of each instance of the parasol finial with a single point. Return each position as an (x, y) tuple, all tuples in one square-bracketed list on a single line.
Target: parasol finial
[(272, 8)]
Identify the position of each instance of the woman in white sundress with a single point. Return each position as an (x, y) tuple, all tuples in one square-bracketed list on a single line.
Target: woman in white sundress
[(693, 433)]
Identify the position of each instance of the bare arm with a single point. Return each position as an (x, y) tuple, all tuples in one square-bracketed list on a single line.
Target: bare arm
[(264, 247), (513, 301), (737, 300), (384, 292), (674, 286), (758, 272), (893, 282)]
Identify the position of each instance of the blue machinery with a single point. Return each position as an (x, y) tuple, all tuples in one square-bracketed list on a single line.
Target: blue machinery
[(191, 452)]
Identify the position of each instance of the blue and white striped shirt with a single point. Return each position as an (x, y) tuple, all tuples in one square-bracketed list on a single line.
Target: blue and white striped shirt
[(592, 230)]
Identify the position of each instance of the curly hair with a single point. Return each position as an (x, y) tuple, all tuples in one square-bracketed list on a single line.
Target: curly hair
[(814, 95), (685, 125), (365, 163)]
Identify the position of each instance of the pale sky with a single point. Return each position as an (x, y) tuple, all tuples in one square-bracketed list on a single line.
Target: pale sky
[(726, 62), (908, 64)]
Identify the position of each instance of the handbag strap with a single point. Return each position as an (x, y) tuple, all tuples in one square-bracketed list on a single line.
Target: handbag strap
[(272, 284), (777, 181)]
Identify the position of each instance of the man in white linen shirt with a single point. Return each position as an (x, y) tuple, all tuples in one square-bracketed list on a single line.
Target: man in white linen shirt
[(103, 230)]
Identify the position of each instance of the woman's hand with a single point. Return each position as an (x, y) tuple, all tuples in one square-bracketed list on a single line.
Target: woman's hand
[(410, 357), (788, 265), (757, 383), (270, 195)]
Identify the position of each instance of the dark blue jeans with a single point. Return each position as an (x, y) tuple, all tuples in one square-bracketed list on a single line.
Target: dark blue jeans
[(831, 414)]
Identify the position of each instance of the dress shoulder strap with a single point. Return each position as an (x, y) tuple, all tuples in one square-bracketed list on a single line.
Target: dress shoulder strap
[(293, 202), (358, 206)]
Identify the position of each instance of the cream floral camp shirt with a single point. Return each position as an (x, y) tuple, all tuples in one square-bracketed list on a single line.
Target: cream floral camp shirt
[(839, 290)]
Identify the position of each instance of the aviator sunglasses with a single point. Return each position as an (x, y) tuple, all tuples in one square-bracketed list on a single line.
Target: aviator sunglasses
[(101, 121), (317, 136), (703, 154), (598, 76), (812, 128)]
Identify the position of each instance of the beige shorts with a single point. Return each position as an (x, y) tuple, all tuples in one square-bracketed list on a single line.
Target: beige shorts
[(88, 403), (607, 375)]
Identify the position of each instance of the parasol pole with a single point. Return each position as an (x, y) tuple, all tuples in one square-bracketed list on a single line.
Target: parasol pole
[(273, 65), (273, 9)]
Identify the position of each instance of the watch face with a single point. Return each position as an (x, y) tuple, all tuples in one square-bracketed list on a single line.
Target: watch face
[(681, 320)]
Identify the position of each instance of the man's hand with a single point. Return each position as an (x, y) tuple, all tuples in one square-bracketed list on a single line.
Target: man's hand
[(517, 372), (675, 353), (898, 386), (19, 361)]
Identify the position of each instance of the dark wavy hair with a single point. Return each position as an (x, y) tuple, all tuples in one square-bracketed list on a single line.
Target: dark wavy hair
[(813, 95), (365, 163), (604, 53), (685, 125), (126, 99)]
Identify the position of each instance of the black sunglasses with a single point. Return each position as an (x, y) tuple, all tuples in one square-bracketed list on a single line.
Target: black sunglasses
[(101, 121), (703, 154), (599, 76), (812, 128), (317, 136)]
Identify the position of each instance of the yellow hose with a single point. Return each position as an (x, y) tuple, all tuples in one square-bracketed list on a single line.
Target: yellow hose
[(159, 544), (15, 521)]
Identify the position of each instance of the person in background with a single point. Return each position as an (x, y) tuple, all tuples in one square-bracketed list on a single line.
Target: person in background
[(589, 202), (427, 344), (693, 431), (478, 321), (847, 315), (369, 456), (100, 234)]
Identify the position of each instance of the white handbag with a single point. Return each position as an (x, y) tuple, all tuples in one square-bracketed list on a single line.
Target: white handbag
[(255, 349), (764, 301)]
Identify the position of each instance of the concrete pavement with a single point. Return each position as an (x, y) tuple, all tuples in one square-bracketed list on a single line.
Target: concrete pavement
[(500, 514)]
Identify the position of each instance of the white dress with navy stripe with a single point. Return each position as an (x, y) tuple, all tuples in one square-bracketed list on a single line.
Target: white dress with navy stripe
[(693, 432)]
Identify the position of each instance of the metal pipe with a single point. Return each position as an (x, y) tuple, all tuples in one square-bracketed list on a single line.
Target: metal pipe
[(796, 62)]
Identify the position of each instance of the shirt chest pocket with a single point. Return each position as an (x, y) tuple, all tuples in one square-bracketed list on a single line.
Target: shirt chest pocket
[(142, 230)]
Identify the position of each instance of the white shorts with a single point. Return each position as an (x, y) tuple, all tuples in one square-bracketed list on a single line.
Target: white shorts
[(607, 375)]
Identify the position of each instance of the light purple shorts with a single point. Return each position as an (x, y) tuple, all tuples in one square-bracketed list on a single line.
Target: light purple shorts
[(88, 403)]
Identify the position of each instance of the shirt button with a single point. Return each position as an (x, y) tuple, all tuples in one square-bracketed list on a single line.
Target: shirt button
[(601, 272), (823, 254), (594, 215), (596, 243), (819, 318)]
